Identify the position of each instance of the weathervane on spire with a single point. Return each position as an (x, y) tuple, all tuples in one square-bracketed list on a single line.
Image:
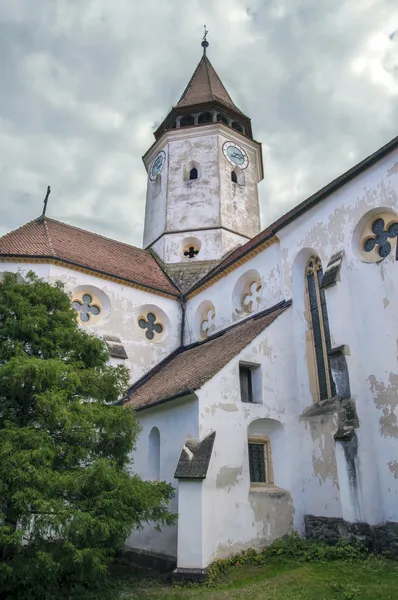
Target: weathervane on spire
[(205, 43)]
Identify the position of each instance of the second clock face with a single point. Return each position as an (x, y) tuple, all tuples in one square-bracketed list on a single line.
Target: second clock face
[(235, 154), (157, 165)]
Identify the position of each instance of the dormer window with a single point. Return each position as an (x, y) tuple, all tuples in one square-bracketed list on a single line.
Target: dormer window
[(193, 173)]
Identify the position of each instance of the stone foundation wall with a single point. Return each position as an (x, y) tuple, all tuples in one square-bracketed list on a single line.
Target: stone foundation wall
[(378, 538)]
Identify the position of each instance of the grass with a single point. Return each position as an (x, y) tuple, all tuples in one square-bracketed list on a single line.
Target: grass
[(291, 568), (368, 579)]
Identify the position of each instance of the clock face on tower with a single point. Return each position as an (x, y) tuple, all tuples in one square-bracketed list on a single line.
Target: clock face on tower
[(157, 165), (235, 155)]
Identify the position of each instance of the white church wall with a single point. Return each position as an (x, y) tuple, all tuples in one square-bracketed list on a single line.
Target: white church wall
[(236, 515), (239, 207), (363, 315), (225, 293), (121, 308), (175, 421)]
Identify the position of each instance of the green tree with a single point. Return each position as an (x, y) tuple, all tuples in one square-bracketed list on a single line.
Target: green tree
[(67, 500)]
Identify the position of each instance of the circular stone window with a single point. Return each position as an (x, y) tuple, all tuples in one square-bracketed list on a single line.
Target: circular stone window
[(190, 248), (91, 305), (378, 237), (153, 323)]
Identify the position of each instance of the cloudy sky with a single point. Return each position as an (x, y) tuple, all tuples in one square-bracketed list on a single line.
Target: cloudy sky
[(83, 84)]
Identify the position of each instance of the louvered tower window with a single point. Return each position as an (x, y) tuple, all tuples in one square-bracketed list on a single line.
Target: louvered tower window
[(320, 327)]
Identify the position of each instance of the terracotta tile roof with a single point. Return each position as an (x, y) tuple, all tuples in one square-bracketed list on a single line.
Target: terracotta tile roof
[(189, 368), (205, 86), (49, 239), (296, 212)]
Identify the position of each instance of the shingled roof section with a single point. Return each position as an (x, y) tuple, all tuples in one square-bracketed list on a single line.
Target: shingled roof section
[(46, 238), (189, 368), (205, 86)]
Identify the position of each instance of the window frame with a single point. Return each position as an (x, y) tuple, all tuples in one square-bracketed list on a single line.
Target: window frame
[(265, 442), (318, 325), (247, 369)]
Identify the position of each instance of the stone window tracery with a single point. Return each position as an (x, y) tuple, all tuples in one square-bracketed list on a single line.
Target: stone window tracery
[(86, 308), (152, 327), (252, 298), (191, 251), (380, 240), (208, 324), (319, 327)]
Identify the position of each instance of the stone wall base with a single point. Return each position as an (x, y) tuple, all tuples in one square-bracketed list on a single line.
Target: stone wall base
[(189, 575), (378, 538), (150, 560)]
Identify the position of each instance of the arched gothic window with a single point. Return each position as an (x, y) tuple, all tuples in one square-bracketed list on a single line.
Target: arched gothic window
[(319, 325), (234, 177), (193, 173), (154, 454)]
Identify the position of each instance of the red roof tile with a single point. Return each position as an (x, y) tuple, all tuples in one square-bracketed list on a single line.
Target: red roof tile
[(189, 368), (46, 238), (205, 86)]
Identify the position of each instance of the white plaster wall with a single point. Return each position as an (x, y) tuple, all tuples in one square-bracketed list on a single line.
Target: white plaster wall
[(125, 308), (155, 207), (268, 265), (176, 421), (213, 244), (239, 204), (362, 314), (234, 517), (211, 200)]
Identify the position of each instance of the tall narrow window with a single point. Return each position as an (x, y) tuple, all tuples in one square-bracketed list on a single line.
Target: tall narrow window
[(154, 454), (234, 177), (193, 173), (246, 383), (320, 327)]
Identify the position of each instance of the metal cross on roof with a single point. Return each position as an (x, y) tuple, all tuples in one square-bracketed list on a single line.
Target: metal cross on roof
[(205, 43)]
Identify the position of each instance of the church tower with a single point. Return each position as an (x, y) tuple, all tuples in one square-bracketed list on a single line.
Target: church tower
[(203, 175)]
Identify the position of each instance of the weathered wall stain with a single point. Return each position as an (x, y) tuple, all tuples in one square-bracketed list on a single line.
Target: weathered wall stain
[(273, 513), (228, 477), (386, 400), (323, 456), (393, 466)]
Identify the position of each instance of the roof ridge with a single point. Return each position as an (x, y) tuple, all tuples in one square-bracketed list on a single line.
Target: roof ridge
[(104, 237), (47, 233)]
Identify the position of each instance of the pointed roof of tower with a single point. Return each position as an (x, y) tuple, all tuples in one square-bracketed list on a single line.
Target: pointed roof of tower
[(205, 86)]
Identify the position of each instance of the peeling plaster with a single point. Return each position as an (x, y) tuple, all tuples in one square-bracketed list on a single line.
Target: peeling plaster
[(228, 407), (393, 465), (228, 477), (393, 170), (323, 456), (386, 400)]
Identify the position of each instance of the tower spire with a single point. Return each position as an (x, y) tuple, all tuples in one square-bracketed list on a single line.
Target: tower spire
[(205, 43)]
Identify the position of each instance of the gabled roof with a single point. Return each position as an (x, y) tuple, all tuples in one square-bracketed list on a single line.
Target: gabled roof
[(205, 86), (268, 235), (47, 239), (188, 369)]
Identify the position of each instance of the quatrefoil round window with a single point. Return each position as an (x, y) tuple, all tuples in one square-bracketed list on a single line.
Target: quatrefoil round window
[(150, 325), (378, 238), (86, 308)]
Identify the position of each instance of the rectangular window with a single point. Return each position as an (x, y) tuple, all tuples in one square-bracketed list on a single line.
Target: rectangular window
[(246, 383), (259, 462)]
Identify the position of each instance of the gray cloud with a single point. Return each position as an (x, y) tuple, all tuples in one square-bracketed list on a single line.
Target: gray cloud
[(83, 86)]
